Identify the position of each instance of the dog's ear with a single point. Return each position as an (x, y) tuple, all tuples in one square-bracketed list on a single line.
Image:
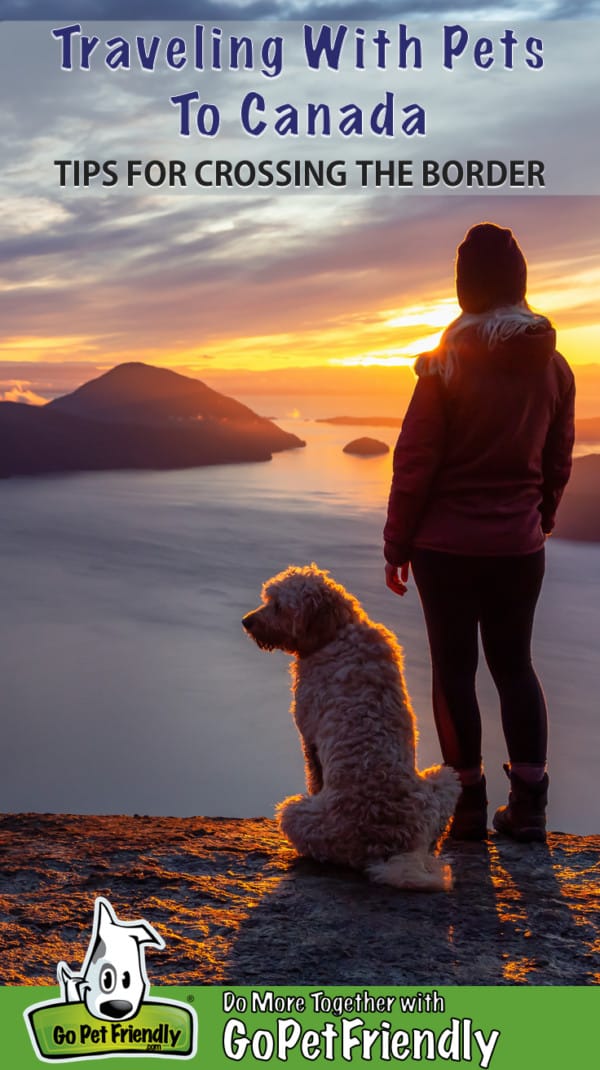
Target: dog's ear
[(71, 984), (320, 625), (145, 934)]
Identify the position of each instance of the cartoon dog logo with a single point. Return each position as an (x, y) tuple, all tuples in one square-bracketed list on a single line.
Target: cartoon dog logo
[(113, 982)]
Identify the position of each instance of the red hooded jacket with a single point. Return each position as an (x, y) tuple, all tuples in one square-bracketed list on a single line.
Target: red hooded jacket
[(484, 456)]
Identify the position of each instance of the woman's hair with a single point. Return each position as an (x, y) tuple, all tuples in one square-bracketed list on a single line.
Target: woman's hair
[(494, 326)]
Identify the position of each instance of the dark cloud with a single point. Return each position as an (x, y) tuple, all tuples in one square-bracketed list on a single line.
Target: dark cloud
[(362, 10), (156, 292), (573, 9), (130, 271)]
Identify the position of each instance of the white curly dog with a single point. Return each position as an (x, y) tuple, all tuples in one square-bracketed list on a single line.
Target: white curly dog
[(367, 805)]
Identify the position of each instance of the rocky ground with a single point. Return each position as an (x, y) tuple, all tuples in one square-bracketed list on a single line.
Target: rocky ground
[(235, 906)]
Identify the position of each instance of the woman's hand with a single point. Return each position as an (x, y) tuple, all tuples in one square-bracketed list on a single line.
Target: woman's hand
[(397, 583)]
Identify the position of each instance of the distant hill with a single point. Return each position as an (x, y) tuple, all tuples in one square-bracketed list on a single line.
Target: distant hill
[(135, 416), (587, 430), (579, 512), (362, 421), (142, 393)]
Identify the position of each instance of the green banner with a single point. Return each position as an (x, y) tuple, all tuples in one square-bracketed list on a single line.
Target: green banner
[(61, 1031), (506, 1028)]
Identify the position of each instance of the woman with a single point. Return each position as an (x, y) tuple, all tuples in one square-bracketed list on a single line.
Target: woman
[(479, 469)]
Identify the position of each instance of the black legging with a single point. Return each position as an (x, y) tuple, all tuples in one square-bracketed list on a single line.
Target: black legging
[(499, 594)]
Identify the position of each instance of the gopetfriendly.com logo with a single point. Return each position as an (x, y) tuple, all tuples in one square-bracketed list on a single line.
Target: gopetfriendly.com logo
[(105, 1010)]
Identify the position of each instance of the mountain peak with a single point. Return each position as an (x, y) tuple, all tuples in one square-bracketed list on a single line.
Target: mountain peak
[(140, 393), (134, 383), (135, 416), (141, 370)]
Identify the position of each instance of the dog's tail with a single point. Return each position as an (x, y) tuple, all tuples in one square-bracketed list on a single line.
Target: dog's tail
[(417, 871)]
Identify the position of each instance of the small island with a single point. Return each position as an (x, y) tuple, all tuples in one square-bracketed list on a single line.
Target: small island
[(366, 447)]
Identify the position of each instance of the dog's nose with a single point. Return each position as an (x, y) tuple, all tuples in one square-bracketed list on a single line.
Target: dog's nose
[(116, 1008), (248, 621)]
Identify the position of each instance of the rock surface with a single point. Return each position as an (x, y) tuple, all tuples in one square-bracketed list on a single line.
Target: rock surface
[(235, 906), (366, 447)]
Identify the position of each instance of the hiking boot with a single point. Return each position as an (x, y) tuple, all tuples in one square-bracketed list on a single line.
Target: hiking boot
[(524, 819), (470, 814)]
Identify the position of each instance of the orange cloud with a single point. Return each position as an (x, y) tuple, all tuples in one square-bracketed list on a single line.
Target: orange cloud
[(21, 392), (270, 286)]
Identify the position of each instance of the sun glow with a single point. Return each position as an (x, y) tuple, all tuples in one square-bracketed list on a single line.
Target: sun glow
[(434, 314), (566, 291), (344, 335), (27, 348), (390, 357), (390, 322)]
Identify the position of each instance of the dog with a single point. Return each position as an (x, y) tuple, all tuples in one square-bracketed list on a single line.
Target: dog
[(367, 805), (113, 981)]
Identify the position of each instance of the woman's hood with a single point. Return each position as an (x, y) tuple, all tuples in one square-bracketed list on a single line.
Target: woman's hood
[(534, 343)]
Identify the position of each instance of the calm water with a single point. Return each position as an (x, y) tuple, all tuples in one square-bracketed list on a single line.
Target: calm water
[(128, 684)]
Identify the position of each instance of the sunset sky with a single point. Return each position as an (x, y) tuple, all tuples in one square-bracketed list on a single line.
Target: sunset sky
[(207, 282)]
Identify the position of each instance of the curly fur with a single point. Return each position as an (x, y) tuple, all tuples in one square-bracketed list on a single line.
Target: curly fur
[(366, 806)]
